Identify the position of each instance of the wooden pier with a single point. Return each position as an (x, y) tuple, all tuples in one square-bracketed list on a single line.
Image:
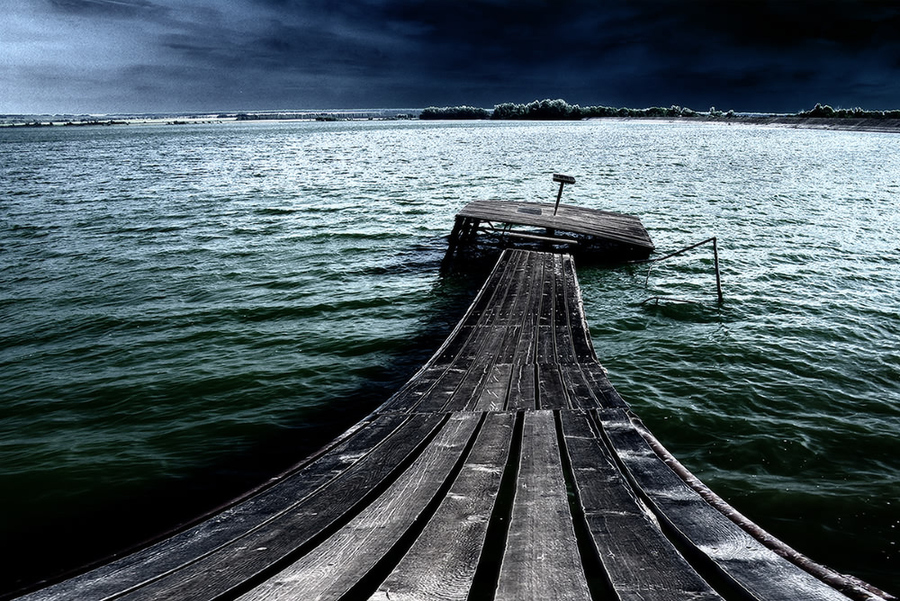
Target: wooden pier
[(507, 468), (577, 230)]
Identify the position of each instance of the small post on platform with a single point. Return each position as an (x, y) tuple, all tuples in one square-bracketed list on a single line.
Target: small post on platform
[(563, 180)]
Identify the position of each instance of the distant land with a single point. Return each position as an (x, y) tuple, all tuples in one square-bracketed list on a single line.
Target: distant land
[(820, 116)]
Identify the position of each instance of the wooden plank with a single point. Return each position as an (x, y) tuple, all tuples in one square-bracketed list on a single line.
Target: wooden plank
[(441, 563), (548, 289), (229, 525), (437, 397), (518, 348), (495, 389), (580, 392), (545, 345), (551, 392), (520, 290), (596, 377), (506, 353), (577, 321), (566, 289), (334, 567), (412, 393), (640, 562), (467, 394), (526, 349), (271, 542), (511, 234), (563, 343), (499, 287), (490, 339), (541, 559), (523, 388), (748, 566)]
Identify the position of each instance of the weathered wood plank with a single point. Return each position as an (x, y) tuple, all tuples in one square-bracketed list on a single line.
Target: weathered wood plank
[(516, 290), (551, 391), (523, 388), (597, 379), (526, 348), (330, 570), (248, 556), (548, 290), (496, 388), (442, 562), (411, 394), (503, 289), (571, 344), (466, 396), (231, 524), (541, 560), (437, 396), (640, 562), (520, 298), (577, 321), (582, 395), (750, 567)]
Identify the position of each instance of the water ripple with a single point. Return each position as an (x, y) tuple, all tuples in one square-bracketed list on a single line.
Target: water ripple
[(172, 300)]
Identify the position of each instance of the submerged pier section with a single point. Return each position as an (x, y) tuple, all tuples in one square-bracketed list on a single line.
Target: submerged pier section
[(507, 468), (576, 230)]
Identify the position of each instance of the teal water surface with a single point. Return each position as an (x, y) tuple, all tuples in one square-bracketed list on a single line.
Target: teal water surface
[(186, 310)]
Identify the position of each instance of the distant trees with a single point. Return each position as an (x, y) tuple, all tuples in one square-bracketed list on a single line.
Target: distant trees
[(454, 112), (538, 110), (826, 112), (560, 110)]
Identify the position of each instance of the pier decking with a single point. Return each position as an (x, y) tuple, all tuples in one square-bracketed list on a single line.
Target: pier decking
[(577, 229), (507, 468)]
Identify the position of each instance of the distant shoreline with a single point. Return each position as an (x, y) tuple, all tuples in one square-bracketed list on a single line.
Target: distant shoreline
[(788, 122), (835, 123), (862, 124)]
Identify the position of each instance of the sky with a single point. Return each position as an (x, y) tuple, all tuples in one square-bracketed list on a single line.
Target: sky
[(140, 56)]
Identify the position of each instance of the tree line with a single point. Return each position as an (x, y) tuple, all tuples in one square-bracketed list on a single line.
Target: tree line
[(827, 112), (560, 110)]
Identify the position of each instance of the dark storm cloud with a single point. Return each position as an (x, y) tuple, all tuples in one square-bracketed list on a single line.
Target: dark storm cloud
[(200, 54), (113, 8)]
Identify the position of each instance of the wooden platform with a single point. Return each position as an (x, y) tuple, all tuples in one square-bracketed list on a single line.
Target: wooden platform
[(507, 468), (580, 230)]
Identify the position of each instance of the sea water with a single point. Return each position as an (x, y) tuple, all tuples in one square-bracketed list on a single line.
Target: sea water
[(186, 310)]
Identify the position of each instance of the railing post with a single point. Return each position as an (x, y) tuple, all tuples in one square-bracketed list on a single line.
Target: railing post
[(718, 278), (684, 250)]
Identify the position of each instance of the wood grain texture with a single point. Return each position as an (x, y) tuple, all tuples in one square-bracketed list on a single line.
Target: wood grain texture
[(640, 562), (442, 562), (541, 560), (751, 568), (336, 565), (241, 559), (233, 523)]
